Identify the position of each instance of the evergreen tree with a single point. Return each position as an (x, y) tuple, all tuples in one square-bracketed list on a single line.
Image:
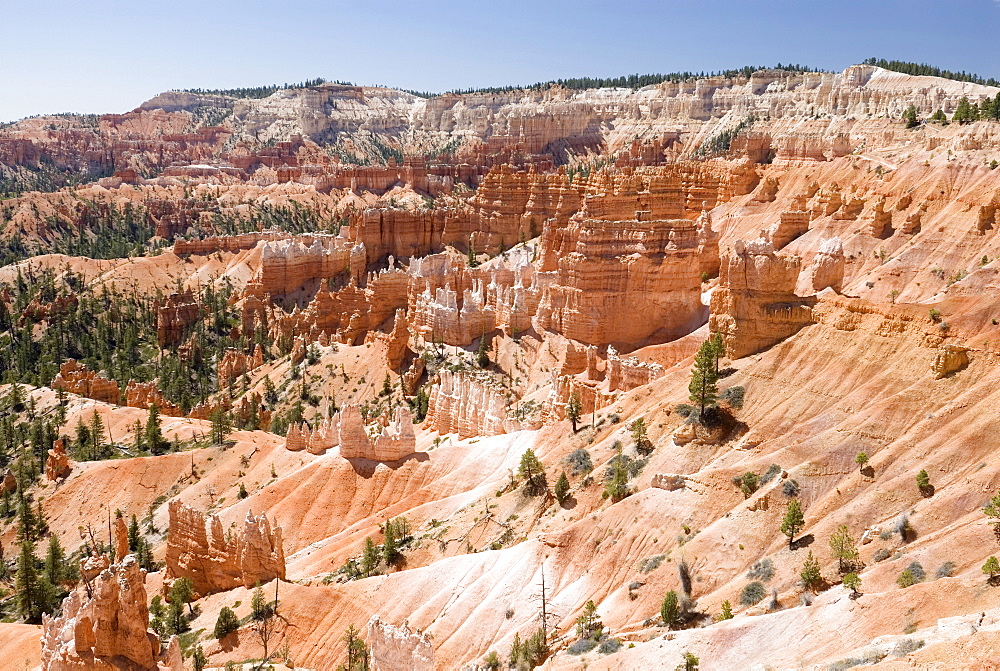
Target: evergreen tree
[(727, 611), (939, 117), (133, 534), (992, 511), (793, 522), (924, 483), (670, 610), (562, 488), (533, 472), (357, 651), (182, 591), (852, 581), (573, 409), (861, 460), (390, 548), (28, 585), (483, 352), (589, 623), (369, 558), (702, 388), (226, 623), (992, 568), (152, 435), (221, 425), (157, 616), (198, 659), (96, 435), (55, 562), (965, 112), (638, 430), (270, 393), (910, 117), (812, 579), (844, 550)]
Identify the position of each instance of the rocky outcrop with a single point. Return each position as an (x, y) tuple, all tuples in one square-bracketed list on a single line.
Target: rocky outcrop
[(76, 378), (948, 359), (216, 559), (628, 373), (826, 269), (346, 430), (235, 363), (668, 481), (398, 647), (755, 305), (103, 625), (463, 404), (57, 464), (174, 314), (397, 439), (146, 394)]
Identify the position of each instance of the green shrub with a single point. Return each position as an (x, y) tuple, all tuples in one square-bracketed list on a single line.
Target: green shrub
[(762, 569), (579, 461), (753, 593), (946, 570), (610, 646), (773, 471)]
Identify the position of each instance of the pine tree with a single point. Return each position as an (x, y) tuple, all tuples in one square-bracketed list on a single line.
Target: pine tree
[(910, 117), (924, 483), (588, 623), (226, 623), (702, 388), (198, 659), (221, 425), (812, 579), (992, 511), (573, 409), (852, 581), (390, 548), (861, 460), (357, 651), (670, 610), (844, 549), (939, 117), (134, 535), (369, 558), (96, 435), (991, 568), (28, 585), (727, 611), (533, 472), (562, 488), (55, 560), (152, 435), (638, 430), (793, 522), (966, 112)]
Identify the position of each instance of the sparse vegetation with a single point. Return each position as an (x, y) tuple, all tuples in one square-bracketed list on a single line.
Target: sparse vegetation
[(753, 593)]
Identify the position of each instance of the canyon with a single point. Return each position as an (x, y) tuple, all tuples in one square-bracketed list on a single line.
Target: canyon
[(356, 310)]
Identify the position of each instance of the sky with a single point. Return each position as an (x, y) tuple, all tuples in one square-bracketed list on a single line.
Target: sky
[(110, 55)]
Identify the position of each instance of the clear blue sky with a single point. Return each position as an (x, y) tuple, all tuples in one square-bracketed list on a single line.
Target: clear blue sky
[(110, 55)]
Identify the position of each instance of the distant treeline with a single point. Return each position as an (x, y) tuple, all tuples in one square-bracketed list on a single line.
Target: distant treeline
[(929, 70), (633, 81), (264, 91)]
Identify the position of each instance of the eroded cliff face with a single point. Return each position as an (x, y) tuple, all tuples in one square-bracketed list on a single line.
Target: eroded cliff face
[(218, 559), (103, 625)]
